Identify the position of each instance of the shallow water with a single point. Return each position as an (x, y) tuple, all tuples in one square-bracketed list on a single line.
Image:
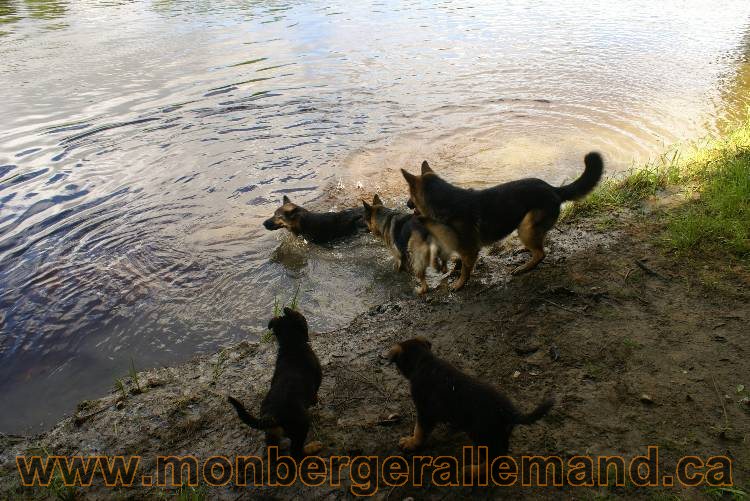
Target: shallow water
[(142, 144)]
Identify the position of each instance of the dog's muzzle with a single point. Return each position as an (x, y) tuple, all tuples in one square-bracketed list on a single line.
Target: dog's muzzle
[(410, 204), (270, 224)]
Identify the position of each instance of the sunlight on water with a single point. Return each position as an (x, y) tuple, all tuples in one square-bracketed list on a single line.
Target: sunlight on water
[(143, 143)]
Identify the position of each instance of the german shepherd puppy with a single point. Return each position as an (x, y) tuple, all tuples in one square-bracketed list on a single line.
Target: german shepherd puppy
[(465, 220), (294, 387), (443, 394), (407, 239), (316, 227)]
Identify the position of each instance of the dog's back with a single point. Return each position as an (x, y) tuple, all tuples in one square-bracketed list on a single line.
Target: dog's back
[(296, 379), (322, 227)]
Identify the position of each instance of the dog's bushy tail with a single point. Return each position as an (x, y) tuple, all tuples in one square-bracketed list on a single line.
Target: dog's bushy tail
[(537, 414), (249, 419), (584, 184)]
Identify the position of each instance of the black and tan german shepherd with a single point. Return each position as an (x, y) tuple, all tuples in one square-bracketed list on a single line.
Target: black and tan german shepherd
[(294, 387), (465, 220), (443, 394), (316, 227), (408, 240)]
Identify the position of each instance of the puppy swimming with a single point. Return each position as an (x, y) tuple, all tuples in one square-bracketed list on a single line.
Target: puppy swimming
[(408, 240), (294, 387), (465, 220), (316, 227), (443, 394)]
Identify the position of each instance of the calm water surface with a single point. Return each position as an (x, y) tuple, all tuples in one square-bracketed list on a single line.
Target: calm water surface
[(142, 144)]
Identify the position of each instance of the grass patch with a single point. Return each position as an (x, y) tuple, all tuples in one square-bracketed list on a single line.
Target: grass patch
[(720, 218), (713, 176)]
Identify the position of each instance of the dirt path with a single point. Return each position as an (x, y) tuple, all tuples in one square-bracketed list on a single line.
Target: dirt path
[(639, 349)]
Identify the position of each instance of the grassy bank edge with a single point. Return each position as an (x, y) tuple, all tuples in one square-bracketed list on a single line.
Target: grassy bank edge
[(710, 182)]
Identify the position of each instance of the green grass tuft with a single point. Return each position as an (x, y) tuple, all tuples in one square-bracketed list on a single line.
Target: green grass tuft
[(134, 377), (720, 217), (277, 309)]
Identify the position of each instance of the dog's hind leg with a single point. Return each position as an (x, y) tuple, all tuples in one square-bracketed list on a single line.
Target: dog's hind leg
[(422, 282), (467, 266), (297, 433), (532, 231)]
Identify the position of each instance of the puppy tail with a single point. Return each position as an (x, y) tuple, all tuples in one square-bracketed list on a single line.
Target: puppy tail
[(537, 414), (588, 180), (247, 418)]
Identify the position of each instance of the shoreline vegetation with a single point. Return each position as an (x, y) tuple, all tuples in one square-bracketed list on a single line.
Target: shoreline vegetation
[(641, 332), (708, 182)]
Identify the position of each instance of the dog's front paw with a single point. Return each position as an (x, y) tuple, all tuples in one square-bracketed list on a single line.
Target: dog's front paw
[(409, 443), (457, 284)]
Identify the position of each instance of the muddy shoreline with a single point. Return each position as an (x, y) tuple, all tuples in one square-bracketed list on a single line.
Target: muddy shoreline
[(639, 348)]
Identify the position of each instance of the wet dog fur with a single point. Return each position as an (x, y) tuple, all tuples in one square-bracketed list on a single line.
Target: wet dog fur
[(412, 246), (465, 220), (316, 227), (443, 394), (294, 387)]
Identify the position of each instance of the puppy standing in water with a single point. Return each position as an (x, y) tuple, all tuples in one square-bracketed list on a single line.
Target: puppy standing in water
[(407, 239), (466, 220), (316, 227), (294, 387), (443, 394)]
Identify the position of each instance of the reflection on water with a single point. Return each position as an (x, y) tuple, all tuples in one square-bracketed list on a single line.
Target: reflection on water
[(143, 143)]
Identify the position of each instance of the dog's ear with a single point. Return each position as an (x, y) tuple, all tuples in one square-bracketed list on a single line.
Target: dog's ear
[(424, 341), (376, 200), (410, 178), (368, 207), (286, 200), (426, 167)]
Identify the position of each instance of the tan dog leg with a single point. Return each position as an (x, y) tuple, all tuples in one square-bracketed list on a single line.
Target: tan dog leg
[(415, 441), (467, 265), (532, 237)]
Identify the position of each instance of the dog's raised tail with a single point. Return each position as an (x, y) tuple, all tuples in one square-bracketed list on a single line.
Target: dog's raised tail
[(249, 419), (588, 180), (537, 414)]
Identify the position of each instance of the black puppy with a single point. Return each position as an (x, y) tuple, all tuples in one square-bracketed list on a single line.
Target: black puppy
[(294, 387), (443, 394), (316, 227)]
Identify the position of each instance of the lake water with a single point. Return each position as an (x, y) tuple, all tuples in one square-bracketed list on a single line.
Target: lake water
[(143, 143)]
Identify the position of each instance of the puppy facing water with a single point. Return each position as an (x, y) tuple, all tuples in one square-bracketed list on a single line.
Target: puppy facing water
[(316, 227), (408, 240), (443, 394), (294, 387), (466, 220)]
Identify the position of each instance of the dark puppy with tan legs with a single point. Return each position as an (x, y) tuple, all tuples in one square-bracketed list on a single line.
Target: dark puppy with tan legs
[(316, 227), (443, 394), (294, 387), (408, 240), (466, 220)]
